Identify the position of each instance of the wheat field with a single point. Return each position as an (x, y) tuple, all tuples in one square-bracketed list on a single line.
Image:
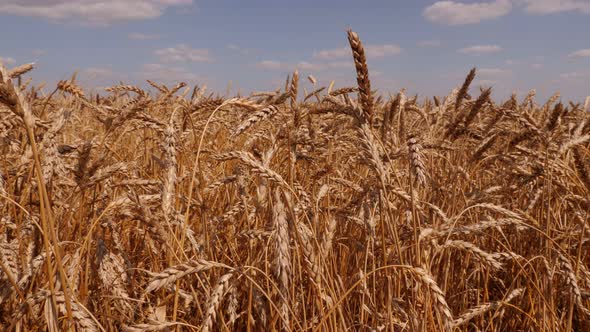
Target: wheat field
[(336, 209)]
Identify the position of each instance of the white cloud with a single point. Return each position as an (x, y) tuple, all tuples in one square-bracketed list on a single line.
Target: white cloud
[(232, 47), (480, 49), (238, 49), (372, 51), (535, 63), (333, 53), (485, 82), (98, 73), (585, 53), (270, 64), (556, 6), (142, 36), (572, 75), (100, 77), (7, 60), (167, 74), (183, 52), (492, 72), (380, 51), (429, 43), (38, 52), (303, 65), (93, 12), (458, 13), (451, 12), (340, 64)]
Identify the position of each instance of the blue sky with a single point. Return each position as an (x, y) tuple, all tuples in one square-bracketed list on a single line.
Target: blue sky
[(424, 46)]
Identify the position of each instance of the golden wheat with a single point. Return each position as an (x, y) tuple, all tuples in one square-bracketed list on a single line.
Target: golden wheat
[(146, 210)]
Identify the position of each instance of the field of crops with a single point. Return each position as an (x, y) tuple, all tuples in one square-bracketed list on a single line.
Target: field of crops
[(337, 209)]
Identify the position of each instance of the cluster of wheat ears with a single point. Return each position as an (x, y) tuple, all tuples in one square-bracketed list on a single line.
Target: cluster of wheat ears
[(291, 210)]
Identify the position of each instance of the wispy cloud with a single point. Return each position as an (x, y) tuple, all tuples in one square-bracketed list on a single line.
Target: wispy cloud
[(237, 49), (7, 60), (324, 66), (93, 12), (458, 13), (303, 65), (493, 72), (535, 63), (556, 6), (480, 49), (585, 53), (100, 77), (429, 43), (372, 51), (572, 75), (511, 62), (485, 82), (143, 36), (333, 53), (38, 52), (167, 74), (183, 53), (380, 51), (270, 64), (98, 73), (491, 76)]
